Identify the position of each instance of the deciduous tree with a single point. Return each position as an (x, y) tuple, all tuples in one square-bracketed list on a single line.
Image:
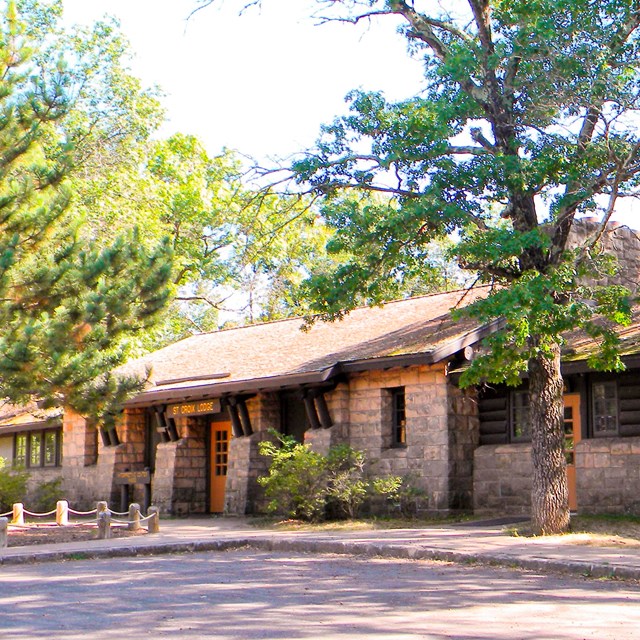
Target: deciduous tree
[(528, 119)]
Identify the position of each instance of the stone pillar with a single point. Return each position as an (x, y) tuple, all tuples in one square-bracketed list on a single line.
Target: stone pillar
[(244, 494), (464, 437), (162, 482), (179, 484), (79, 459)]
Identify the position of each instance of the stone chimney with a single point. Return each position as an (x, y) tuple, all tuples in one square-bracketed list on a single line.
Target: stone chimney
[(618, 240)]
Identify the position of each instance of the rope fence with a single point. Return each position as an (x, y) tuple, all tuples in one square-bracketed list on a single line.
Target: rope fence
[(103, 523)]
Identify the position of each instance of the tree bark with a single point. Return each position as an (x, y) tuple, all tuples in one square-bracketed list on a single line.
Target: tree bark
[(549, 494)]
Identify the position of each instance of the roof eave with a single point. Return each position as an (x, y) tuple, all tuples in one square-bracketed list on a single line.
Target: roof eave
[(254, 385)]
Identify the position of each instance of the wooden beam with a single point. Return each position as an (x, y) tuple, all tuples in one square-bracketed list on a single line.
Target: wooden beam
[(245, 420), (323, 411), (310, 408)]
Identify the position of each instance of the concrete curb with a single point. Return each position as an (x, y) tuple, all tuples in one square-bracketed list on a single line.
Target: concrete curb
[(370, 550)]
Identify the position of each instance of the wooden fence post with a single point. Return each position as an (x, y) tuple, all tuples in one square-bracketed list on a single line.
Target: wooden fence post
[(134, 517), (18, 513), (4, 528), (62, 513), (104, 524), (154, 521)]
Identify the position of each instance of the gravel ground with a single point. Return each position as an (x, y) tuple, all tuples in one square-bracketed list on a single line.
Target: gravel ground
[(245, 595), (49, 534)]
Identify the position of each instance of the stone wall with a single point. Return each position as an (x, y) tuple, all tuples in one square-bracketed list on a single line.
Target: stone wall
[(425, 460), (243, 493), (38, 476), (618, 240), (186, 492), (502, 479), (608, 475), (79, 462), (464, 437), (89, 467)]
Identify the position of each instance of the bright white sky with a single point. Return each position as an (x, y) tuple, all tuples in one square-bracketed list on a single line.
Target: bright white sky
[(261, 83)]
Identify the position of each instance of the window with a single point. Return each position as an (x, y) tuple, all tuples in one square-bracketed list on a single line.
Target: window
[(50, 449), (398, 418), (38, 449), (520, 421), (604, 406), (20, 450), (35, 449)]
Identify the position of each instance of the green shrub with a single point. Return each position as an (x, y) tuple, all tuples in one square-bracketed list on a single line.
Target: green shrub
[(306, 485), (400, 494), (347, 488), (13, 486), (297, 481), (45, 496)]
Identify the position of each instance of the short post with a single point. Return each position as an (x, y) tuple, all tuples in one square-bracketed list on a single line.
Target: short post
[(134, 517), (18, 513), (4, 530), (104, 524), (62, 513), (154, 519)]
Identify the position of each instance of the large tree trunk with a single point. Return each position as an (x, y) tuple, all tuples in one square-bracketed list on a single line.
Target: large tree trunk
[(549, 494)]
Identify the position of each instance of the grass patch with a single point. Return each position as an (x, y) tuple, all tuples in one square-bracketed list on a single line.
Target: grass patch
[(360, 524), (610, 530)]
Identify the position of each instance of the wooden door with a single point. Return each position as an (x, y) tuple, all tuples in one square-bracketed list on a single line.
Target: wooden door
[(220, 437), (572, 435)]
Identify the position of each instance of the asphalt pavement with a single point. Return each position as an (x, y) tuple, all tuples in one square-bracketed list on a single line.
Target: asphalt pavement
[(484, 543)]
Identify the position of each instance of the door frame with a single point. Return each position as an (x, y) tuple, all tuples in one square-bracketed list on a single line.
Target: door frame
[(211, 425), (574, 401)]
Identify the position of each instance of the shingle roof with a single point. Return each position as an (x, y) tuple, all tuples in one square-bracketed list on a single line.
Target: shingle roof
[(579, 345), (25, 417), (276, 353)]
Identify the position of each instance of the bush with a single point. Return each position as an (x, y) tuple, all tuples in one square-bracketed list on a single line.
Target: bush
[(13, 486), (304, 484), (400, 494), (347, 488), (45, 496), (297, 480)]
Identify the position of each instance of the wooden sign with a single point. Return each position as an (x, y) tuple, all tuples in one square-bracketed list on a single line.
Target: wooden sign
[(199, 408), (133, 477)]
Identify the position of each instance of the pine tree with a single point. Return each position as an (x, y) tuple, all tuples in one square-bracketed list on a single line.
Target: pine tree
[(66, 306)]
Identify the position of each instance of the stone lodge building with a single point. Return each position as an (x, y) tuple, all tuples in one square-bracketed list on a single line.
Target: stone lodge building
[(383, 380)]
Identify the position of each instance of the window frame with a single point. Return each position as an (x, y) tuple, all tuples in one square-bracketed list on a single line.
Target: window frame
[(522, 407), (26, 459), (398, 417), (608, 433)]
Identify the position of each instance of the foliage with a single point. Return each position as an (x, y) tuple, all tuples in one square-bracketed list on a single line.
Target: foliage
[(45, 496), (67, 305), (400, 494), (236, 252), (525, 123), (347, 488), (307, 485), (297, 483), (13, 486)]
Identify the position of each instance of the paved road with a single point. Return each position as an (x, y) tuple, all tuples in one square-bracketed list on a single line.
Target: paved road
[(244, 595)]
